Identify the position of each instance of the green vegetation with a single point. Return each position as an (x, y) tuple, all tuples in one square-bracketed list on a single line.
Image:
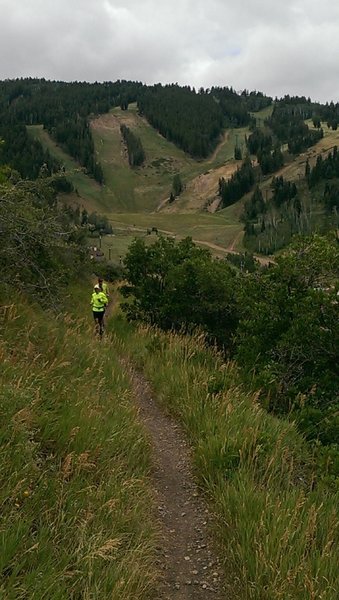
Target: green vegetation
[(164, 281), (239, 184), (84, 185), (192, 121), (40, 251), (74, 465), (64, 110), (278, 536), (278, 322), (75, 519), (288, 124), (177, 186), (74, 468), (136, 154)]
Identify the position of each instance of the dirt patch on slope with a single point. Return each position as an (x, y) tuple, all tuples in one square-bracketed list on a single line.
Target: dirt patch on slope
[(202, 191), (110, 122), (186, 557)]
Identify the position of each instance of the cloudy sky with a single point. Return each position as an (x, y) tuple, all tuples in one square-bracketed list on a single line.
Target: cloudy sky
[(277, 47)]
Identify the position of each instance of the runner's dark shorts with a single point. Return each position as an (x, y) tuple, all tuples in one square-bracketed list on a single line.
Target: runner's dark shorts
[(98, 316)]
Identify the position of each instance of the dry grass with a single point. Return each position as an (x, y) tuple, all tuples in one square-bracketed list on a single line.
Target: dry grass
[(75, 517), (278, 535)]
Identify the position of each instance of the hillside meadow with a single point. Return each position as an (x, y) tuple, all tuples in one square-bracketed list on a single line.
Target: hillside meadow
[(75, 466), (133, 197)]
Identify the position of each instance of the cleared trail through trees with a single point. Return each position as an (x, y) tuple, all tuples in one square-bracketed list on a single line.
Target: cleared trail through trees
[(190, 568)]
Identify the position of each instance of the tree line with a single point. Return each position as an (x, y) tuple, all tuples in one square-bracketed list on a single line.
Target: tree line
[(267, 150), (193, 121), (239, 184), (65, 110), (309, 204), (136, 153), (288, 125)]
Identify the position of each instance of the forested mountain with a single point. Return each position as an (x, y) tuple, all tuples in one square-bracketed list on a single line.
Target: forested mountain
[(64, 110), (309, 204), (194, 120)]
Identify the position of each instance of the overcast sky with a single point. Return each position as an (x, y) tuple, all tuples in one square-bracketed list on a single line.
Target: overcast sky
[(277, 47)]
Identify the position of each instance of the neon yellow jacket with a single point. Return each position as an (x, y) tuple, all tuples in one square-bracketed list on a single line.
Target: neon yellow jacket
[(105, 288), (99, 301)]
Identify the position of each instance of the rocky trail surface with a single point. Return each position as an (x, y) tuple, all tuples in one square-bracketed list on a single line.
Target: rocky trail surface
[(186, 557)]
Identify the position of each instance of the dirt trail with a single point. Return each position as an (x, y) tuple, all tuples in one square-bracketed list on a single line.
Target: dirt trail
[(189, 566)]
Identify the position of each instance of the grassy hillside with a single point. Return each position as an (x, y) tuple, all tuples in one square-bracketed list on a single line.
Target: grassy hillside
[(278, 536), (75, 519), (145, 188), (75, 495)]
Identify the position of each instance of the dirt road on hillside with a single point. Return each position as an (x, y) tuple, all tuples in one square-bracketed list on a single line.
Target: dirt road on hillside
[(186, 556)]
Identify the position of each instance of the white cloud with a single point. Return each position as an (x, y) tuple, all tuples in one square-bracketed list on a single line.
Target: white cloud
[(278, 48)]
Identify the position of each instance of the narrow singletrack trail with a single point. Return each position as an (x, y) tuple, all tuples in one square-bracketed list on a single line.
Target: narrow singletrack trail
[(186, 556)]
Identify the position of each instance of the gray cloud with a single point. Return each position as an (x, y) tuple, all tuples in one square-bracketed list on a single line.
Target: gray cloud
[(290, 47)]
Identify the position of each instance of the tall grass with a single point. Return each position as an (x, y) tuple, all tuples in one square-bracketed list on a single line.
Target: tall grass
[(277, 527), (74, 463)]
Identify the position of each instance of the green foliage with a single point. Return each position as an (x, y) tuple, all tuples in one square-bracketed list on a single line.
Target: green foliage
[(254, 207), (276, 524), (270, 225), (97, 223), (324, 169), (331, 197), (40, 251), (239, 184), (136, 154), (270, 157), (279, 322), (74, 135), (64, 109), (235, 107), (288, 334), (287, 124), (259, 141), (179, 286), (109, 272), (237, 153), (243, 261), (177, 185), (22, 153), (74, 463), (192, 121), (283, 191)]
